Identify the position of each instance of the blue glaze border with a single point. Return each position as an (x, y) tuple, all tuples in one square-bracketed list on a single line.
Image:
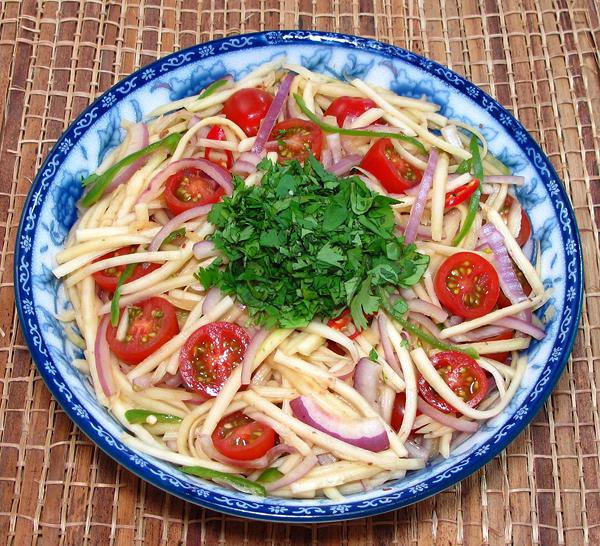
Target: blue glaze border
[(236, 503)]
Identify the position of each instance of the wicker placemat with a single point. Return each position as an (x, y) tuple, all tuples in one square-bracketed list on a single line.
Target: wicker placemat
[(539, 58)]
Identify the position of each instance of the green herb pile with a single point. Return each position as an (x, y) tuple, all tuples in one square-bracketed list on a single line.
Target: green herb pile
[(308, 244)]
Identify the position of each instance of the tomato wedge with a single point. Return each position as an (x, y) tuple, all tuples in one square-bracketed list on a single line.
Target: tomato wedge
[(525, 231), (384, 163), (220, 157), (344, 324), (461, 194), (342, 107), (467, 285), (107, 279), (398, 411), (189, 188), (294, 139), (462, 374), (210, 354), (247, 108), (503, 356), (239, 437), (152, 323)]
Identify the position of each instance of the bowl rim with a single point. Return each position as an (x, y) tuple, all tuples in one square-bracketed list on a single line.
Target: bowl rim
[(237, 503)]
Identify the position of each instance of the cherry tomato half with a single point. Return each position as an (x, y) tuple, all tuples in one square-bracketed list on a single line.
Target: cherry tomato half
[(467, 285), (107, 279), (461, 194), (152, 323), (220, 157), (295, 138), (344, 324), (503, 356), (239, 437), (189, 188), (462, 374), (525, 231), (348, 106), (384, 163), (210, 354), (398, 410), (247, 108)]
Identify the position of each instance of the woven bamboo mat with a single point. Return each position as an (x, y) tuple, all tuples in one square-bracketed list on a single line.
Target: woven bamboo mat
[(539, 58)]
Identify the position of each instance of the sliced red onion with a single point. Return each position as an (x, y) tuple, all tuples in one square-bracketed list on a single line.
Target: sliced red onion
[(505, 179), (250, 354), (479, 334), (453, 320), (419, 451), (326, 159), (445, 419), (102, 358), (175, 222), (204, 249), (172, 381), (138, 139), (326, 458), (407, 293), (426, 322), (196, 399), (292, 108), (386, 343), (344, 165), (515, 323), (418, 207), (143, 381), (172, 445), (508, 278), (269, 121), (246, 163), (200, 133), (368, 433), (215, 172), (334, 145), (366, 380), (450, 134), (305, 466), (418, 305), (211, 299), (262, 462)]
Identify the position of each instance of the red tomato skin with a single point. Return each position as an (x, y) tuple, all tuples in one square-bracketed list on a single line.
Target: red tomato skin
[(247, 108), (299, 134), (461, 194), (456, 362), (385, 164), (196, 182), (109, 282), (343, 107), (483, 271), (500, 357), (218, 133), (132, 352), (224, 439), (223, 345)]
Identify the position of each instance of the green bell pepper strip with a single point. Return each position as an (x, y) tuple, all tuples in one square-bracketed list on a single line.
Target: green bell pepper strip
[(210, 89), (239, 483), (99, 182), (433, 341), (114, 304), (476, 197), (354, 132), (139, 416), (173, 235), (270, 475)]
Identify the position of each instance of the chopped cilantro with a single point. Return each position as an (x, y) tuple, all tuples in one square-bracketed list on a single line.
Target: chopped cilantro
[(305, 243), (373, 356)]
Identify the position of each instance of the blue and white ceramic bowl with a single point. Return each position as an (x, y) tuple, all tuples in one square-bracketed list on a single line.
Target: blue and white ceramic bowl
[(50, 211)]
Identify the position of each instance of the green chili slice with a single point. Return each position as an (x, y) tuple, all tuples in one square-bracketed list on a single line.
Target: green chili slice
[(139, 416), (270, 475), (114, 304), (476, 197), (354, 132), (210, 89), (99, 182), (239, 483)]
